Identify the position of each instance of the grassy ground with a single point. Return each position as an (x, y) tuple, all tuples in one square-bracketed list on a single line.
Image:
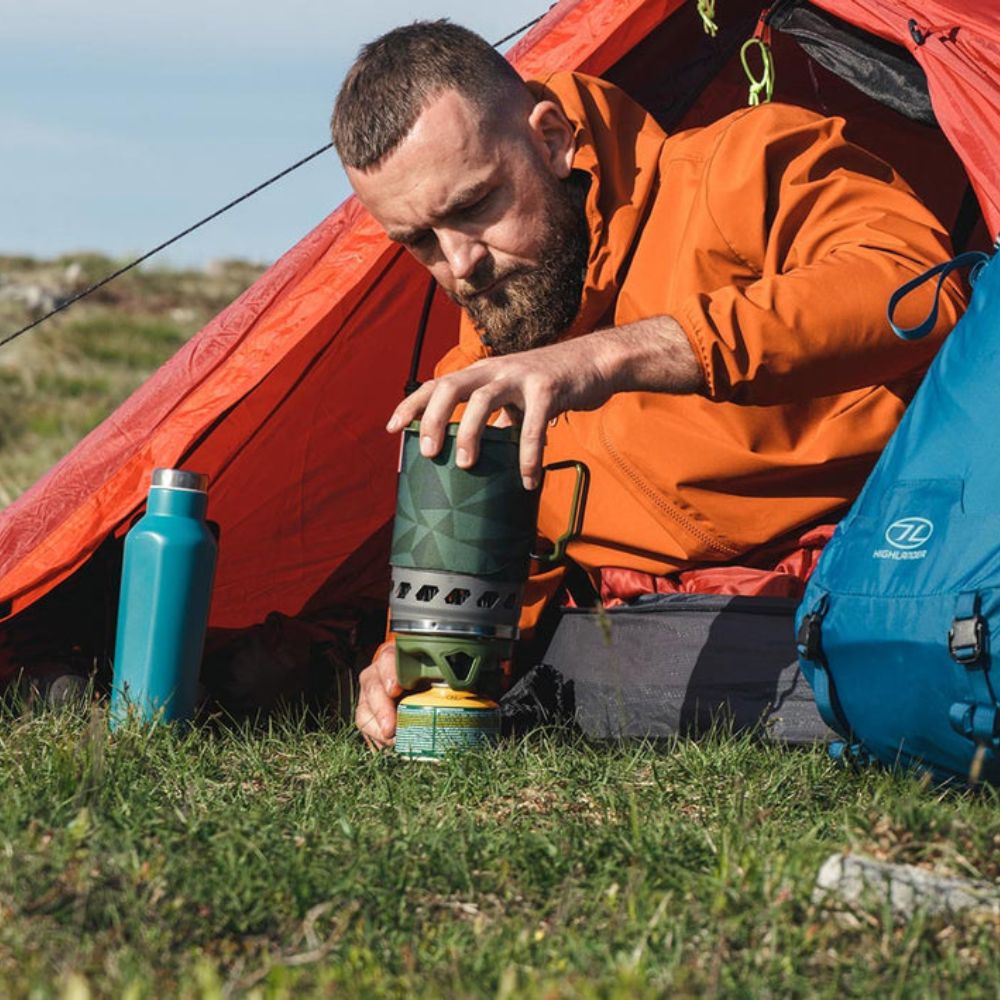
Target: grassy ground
[(285, 860), (61, 379)]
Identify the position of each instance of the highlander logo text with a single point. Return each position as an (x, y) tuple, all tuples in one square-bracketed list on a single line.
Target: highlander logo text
[(908, 538)]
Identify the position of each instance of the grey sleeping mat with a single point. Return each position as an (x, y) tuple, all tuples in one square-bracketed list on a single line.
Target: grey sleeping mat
[(674, 664)]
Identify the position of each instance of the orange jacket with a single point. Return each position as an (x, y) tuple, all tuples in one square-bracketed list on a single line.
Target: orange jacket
[(775, 244)]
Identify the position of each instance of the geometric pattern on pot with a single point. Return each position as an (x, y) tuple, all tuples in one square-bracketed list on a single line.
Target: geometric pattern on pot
[(479, 521)]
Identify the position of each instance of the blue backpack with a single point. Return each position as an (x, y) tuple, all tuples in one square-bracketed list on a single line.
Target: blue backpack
[(896, 627)]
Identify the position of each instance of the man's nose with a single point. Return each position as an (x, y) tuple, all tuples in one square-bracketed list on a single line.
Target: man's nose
[(462, 252)]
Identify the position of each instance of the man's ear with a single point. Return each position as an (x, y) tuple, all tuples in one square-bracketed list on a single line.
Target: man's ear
[(554, 135)]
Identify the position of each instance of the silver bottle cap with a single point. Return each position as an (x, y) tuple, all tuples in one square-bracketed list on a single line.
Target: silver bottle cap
[(180, 479)]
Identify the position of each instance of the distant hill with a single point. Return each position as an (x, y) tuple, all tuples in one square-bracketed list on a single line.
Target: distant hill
[(58, 381)]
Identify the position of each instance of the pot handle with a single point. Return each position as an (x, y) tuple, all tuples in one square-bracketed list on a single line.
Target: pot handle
[(576, 508)]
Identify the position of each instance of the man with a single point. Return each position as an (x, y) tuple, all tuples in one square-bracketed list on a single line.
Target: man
[(699, 318)]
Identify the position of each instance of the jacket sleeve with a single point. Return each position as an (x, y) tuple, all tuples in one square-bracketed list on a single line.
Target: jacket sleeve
[(829, 232)]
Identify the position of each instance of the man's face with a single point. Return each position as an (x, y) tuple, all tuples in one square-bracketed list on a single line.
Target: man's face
[(493, 213)]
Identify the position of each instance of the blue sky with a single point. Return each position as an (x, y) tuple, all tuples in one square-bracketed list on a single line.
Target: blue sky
[(123, 122)]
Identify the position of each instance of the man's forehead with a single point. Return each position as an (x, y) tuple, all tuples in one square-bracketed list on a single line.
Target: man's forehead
[(450, 148), (451, 116)]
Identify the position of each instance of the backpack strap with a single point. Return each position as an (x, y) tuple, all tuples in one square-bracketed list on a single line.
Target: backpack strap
[(972, 258), (809, 643), (976, 718)]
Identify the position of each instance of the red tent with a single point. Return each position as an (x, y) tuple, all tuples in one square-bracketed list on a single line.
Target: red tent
[(282, 398)]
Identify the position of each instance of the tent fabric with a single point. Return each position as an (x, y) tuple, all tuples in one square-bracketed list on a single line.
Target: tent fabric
[(283, 397), (48, 531), (958, 46), (244, 360), (882, 70)]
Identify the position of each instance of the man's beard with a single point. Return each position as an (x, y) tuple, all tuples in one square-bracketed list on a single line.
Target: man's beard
[(535, 304)]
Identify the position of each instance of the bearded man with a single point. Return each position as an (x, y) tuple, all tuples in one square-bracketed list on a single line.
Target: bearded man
[(700, 318)]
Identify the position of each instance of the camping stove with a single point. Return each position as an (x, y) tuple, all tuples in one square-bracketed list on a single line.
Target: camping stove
[(461, 550)]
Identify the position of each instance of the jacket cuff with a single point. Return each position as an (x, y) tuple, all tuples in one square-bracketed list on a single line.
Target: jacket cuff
[(700, 337)]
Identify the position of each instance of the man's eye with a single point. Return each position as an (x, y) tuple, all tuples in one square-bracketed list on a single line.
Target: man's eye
[(419, 241), (477, 206)]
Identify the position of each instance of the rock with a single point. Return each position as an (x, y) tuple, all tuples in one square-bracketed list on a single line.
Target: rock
[(35, 298), (852, 881), (66, 691), (215, 268)]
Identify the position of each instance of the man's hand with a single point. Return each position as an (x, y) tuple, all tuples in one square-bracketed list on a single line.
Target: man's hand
[(379, 692), (536, 385), (540, 384)]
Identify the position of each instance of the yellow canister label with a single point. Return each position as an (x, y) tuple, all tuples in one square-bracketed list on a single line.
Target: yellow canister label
[(440, 721)]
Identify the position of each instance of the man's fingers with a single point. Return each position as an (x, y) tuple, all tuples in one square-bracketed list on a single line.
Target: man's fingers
[(533, 446), (385, 663), (516, 383), (376, 717), (376, 733), (411, 408), (481, 404), (448, 393), (378, 690)]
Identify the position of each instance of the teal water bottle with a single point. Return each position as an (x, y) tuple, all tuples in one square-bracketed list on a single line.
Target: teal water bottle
[(167, 574)]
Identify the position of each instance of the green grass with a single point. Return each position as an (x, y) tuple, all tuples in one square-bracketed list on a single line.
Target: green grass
[(124, 341), (285, 860)]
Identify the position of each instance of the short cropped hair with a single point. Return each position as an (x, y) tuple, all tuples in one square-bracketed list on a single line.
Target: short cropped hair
[(396, 76)]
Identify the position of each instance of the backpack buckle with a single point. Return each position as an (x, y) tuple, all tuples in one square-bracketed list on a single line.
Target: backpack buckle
[(979, 723), (808, 639), (966, 639)]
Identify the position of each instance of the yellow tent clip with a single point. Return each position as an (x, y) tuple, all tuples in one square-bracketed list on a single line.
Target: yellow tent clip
[(706, 8), (764, 84)]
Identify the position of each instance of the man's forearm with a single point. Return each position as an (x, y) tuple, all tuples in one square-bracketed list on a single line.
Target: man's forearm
[(650, 355)]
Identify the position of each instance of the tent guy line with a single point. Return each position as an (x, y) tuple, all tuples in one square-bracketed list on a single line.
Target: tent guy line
[(173, 239), (208, 218)]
